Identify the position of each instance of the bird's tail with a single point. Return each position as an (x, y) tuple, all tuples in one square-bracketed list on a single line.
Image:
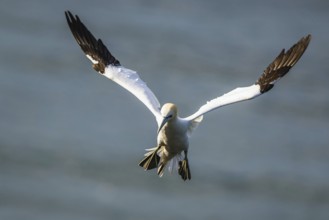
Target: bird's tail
[(155, 158), (171, 162)]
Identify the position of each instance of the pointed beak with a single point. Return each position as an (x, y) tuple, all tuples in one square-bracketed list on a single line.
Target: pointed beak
[(164, 121)]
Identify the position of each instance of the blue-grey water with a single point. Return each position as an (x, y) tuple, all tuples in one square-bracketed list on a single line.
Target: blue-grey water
[(70, 139)]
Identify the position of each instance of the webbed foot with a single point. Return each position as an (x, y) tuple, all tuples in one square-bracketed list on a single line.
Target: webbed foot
[(184, 169), (151, 159)]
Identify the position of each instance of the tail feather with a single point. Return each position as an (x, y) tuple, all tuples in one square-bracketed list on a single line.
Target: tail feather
[(154, 158), (173, 163)]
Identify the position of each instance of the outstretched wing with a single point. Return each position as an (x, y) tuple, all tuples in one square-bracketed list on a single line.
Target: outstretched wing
[(106, 64), (276, 70)]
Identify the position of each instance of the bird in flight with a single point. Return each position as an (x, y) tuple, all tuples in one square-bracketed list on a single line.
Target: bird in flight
[(173, 131)]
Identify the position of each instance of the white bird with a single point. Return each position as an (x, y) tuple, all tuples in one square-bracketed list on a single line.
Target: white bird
[(174, 131)]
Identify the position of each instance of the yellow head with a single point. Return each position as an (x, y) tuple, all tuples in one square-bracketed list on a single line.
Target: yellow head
[(168, 112)]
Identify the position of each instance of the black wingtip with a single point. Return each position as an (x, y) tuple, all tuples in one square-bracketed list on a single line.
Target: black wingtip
[(282, 64), (89, 44)]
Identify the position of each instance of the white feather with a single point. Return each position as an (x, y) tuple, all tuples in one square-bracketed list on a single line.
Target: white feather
[(131, 81), (236, 95), (91, 59)]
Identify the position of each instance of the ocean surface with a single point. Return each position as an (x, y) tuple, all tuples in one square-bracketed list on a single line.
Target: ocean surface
[(71, 140)]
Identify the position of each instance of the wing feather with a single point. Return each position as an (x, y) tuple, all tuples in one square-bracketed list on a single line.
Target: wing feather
[(130, 80), (106, 64), (275, 71)]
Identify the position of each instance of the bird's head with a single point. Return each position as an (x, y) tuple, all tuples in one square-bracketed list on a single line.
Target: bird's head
[(168, 112)]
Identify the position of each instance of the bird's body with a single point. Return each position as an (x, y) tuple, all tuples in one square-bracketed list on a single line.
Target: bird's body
[(174, 131), (172, 140), (173, 136)]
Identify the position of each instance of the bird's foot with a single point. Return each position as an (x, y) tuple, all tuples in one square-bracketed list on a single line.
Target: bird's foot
[(161, 168), (184, 169), (151, 159)]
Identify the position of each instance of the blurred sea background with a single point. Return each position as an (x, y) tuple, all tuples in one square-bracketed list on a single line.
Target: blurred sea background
[(71, 140)]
